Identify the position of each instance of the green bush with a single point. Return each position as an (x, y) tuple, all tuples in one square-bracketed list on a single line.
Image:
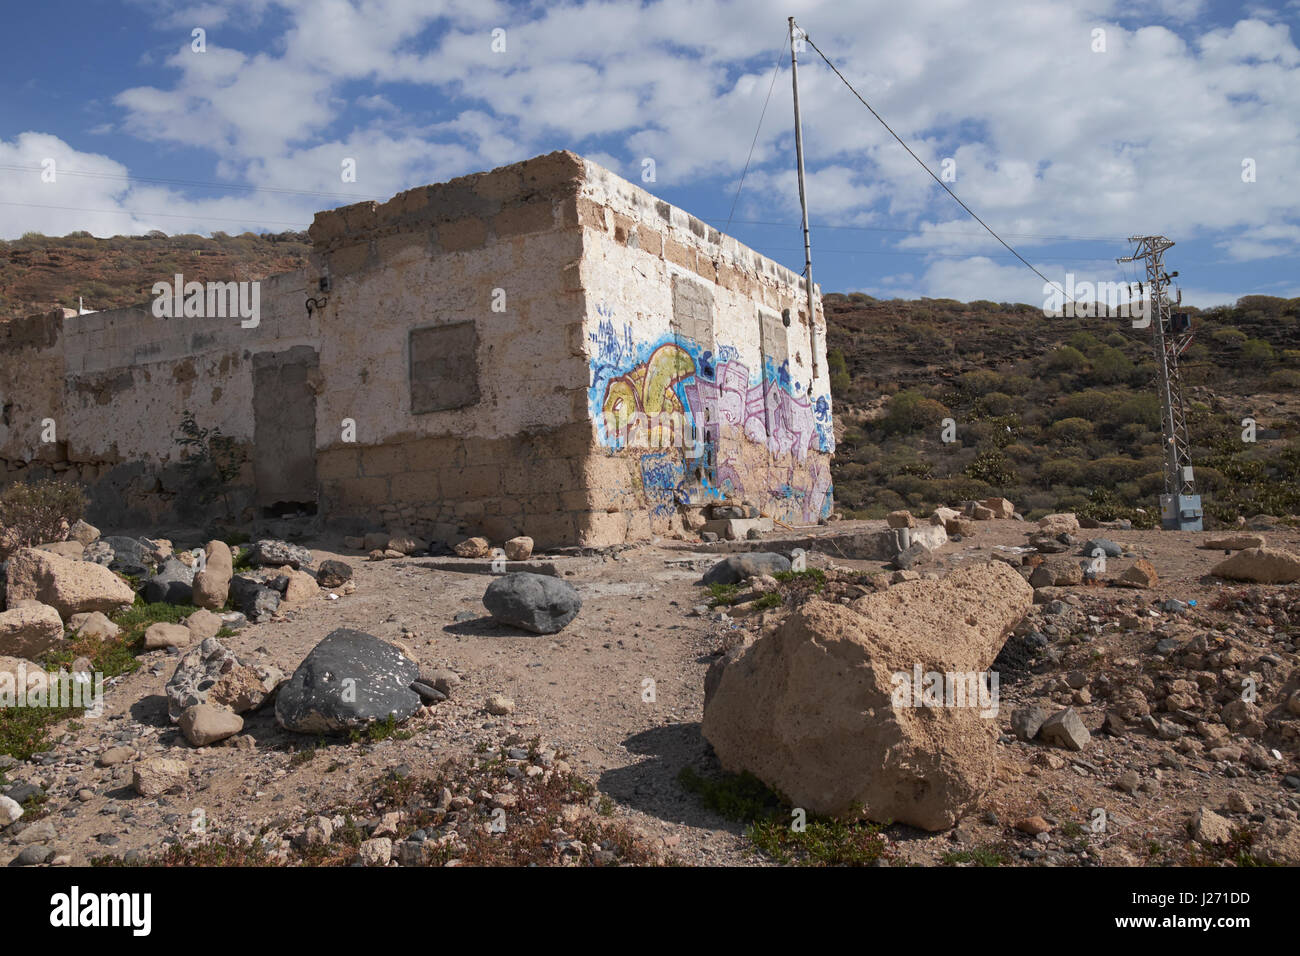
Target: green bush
[(910, 410), (1257, 352), (35, 512), (1066, 359), (1071, 430), (1284, 379)]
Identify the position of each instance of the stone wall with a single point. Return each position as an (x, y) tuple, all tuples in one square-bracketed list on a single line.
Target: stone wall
[(688, 327), (471, 357)]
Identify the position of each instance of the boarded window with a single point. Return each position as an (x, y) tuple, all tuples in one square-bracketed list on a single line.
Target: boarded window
[(444, 370), (693, 312)]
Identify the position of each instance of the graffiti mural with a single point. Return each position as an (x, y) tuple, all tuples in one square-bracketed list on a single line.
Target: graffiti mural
[(682, 403)]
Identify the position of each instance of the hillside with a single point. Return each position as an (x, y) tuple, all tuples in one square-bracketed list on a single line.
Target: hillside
[(39, 272), (1056, 414)]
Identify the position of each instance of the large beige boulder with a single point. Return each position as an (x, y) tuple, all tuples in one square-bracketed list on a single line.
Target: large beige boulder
[(1261, 565), (68, 586), (64, 549), (822, 709), (1062, 523), (212, 584), (154, 777), (16, 671), (30, 631), (302, 587), (1001, 507)]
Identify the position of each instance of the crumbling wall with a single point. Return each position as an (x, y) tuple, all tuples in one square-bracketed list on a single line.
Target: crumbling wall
[(497, 250), (116, 384), (687, 326)]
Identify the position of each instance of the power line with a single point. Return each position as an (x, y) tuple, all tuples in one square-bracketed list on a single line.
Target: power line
[(776, 67), (167, 215), (927, 232), (198, 184), (927, 168)]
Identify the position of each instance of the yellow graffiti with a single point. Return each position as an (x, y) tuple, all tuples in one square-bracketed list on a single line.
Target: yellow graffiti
[(647, 390)]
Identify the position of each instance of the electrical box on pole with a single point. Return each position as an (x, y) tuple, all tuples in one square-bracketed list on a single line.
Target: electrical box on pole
[(1171, 333)]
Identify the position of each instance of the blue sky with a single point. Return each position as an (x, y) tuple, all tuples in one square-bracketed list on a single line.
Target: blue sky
[(1063, 139)]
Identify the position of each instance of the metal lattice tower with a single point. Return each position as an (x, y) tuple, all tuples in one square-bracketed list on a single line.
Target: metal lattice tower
[(1171, 333)]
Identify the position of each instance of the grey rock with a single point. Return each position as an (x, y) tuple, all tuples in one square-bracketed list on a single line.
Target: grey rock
[(212, 674), (911, 556), (349, 680), (253, 598), (99, 552), (1065, 729), (532, 602), (1107, 547), (269, 552), (130, 556), (1027, 721), (35, 855), (430, 695), (173, 584), (737, 567)]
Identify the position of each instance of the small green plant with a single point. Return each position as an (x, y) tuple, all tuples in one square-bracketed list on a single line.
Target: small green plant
[(721, 595), (772, 823), (210, 459), (987, 855)]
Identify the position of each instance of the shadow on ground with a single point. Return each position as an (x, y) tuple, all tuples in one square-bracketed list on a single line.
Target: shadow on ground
[(651, 786)]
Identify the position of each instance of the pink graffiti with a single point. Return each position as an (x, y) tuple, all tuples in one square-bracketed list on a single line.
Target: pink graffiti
[(768, 413)]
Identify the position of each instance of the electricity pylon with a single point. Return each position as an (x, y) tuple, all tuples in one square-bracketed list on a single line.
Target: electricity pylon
[(1171, 333)]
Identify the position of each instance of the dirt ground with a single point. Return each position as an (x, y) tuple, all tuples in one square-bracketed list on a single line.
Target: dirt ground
[(583, 693)]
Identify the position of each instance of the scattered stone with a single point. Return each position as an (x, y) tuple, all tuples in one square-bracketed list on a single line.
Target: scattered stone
[(349, 680), (275, 554), (205, 724), (1001, 507), (212, 674), (499, 706), (1033, 826), (735, 568), (70, 587), (519, 549), (1107, 547), (1141, 575), (160, 635), (73, 550), (154, 777), (473, 548), (900, 519), (376, 852), (1027, 721), (440, 679), (114, 756), (30, 631), (1064, 523), (203, 624), (84, 533), (1128, 781), (1260, 565), (173, 584), (332, 573), (129, 555), (300, 588), (253, 598), (787, 706), (10, 811), (35, 855), (1210, 828), (94, 625), (1065, 729), (212, 585), (538, 603), (405, 545)]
